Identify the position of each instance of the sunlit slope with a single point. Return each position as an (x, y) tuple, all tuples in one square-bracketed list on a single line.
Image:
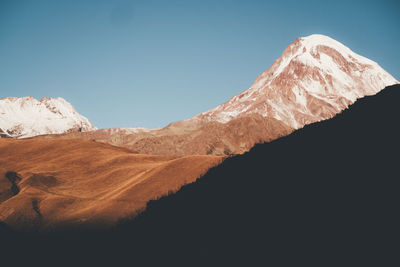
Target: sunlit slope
[(45, 183)]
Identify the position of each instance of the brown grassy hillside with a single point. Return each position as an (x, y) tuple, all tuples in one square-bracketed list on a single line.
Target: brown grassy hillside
[(46, 183)]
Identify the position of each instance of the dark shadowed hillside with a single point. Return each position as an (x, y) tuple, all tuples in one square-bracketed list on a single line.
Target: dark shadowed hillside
[(327, 195)]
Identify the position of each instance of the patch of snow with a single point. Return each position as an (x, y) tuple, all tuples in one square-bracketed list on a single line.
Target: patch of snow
[(300, 97)]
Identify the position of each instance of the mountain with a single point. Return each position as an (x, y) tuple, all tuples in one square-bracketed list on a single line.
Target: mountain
[(315, 78), (26, 117), (325, 195)]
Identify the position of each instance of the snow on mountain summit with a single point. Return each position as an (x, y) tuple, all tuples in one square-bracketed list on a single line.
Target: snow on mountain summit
[(314, 79), (26, 117)]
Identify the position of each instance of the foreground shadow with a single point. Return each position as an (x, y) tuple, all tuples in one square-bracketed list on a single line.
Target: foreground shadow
[(326, 195)]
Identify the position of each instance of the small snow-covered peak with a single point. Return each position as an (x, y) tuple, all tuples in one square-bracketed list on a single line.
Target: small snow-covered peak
[(319, 39), (314, 44), (26, 117)]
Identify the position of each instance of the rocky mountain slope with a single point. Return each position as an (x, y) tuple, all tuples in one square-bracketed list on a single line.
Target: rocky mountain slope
[(27, 117), (234, 137), (314, 79)]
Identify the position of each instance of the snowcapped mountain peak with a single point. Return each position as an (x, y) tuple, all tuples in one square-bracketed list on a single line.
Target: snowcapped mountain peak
[(314, 40), (315, 78), (26, 117)]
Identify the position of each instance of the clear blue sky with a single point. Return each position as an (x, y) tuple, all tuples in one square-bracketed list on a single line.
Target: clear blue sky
[(147, 63)]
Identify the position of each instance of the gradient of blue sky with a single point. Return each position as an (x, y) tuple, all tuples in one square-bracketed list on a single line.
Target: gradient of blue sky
[(147, 63)]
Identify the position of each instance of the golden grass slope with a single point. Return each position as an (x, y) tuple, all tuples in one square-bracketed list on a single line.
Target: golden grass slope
[(80, 183)]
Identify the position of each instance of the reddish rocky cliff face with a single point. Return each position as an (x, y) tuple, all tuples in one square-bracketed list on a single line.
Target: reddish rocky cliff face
[(215, 138)]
